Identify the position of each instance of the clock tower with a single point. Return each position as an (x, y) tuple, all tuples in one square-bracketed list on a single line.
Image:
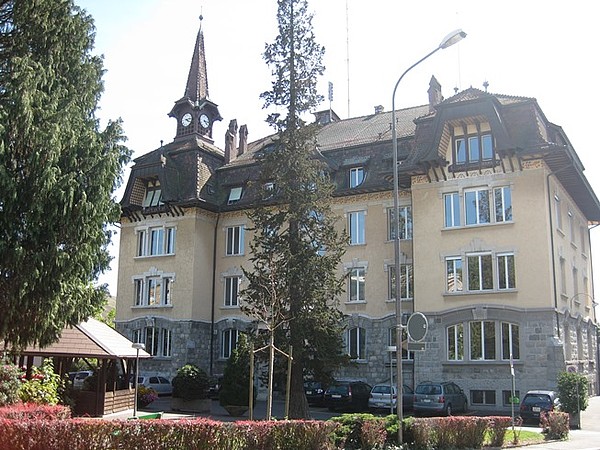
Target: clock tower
[(194, 112)]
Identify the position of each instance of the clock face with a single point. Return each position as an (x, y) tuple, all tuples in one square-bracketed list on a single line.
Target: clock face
[(204, 121), (186, 119)]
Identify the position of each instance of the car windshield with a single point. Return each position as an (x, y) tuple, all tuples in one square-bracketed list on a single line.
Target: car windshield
[(536, 400), (312, 385), (429, 389), (338, 389), (381, 390)]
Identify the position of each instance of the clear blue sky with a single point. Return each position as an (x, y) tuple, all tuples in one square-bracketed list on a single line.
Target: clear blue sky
[(540, 49)]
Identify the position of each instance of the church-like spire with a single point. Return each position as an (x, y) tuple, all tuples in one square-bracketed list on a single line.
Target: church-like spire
[(196, 88)]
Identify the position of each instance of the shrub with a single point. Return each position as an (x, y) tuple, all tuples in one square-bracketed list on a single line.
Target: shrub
[(235, 388), (145, 395), (497, 428), (357, 431), (572, 392), (33, 411), (190, 383), (43, 386), (555, 424), (9, 384)]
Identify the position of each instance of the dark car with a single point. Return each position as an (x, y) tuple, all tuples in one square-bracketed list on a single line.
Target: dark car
[(536, 403), (315, 392), (380, 398), (440, 398), (347, 395)]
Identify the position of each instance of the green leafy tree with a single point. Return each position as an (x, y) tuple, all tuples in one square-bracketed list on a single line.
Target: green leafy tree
[(235, 388), (296, 250), (57, 171), (572, 392), (9, 383), (43, 386)]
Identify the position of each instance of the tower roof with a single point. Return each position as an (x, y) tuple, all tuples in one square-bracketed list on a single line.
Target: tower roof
[(196, 88)]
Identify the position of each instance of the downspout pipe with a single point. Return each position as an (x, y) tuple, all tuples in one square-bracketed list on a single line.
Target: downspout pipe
[(554, 281), (213, 292)]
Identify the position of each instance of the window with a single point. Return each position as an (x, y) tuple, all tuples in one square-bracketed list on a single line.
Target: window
[(356, 343), (507, 395), (356, 225), (582, 234), (229, 340), (156, 241), (153, 194), (480, 272), (268, 190), (558, 212), (510, 341), (235, 240), (483, 340), (503, 204), (451, 210), (153, 290), (234, 195), (454, 275), (406, 355), (563, 276), (357, 284), (232, 286), (481, 397), (158, 341), (405, 223), (357, 176), (474, 149), (406, 282), (571, 227), (455, 334), (506, 271), (477, 206)]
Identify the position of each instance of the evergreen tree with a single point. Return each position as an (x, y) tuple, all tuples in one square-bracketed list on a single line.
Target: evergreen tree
[(57, 171), (296, 250)]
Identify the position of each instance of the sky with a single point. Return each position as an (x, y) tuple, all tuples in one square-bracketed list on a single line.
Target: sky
[(538, 49)]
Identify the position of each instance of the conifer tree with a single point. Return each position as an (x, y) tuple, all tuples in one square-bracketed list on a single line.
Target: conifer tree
[(294, 282), (57, 171)]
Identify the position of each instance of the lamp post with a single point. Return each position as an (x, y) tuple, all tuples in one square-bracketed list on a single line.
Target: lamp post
[(451, 39), (138, 346)]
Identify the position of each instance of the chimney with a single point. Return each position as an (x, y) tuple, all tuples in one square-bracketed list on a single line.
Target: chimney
[(243, 148), (378, 109), (435, 93), (230, 136)]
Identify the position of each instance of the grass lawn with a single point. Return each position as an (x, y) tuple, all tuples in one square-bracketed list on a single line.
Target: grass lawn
[(524, 438)]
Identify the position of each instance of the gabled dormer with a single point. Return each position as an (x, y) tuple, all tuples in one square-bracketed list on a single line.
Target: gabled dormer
[(194, 112)]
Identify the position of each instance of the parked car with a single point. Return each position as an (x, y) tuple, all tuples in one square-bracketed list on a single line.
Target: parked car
[(347, 395), (536, 403), (161, 385), (315, 392), (380, 398), (439, 398), (77, 378)]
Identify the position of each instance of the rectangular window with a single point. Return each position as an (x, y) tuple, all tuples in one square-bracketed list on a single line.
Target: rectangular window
[(503, 204), (477, 206), (480, 272), (454, 275), (510, 341), (582, 233), (231, 291), (455, 342), (234, 195), (487, 147), (406, 355), (357, 284), (481, 397), (405, 225), (357, 176), (571, 227), (158, 340), (391, 282), (356, 225), (563, 276), (157, 236), (506, 271), (235, 240), (406, 281), (229, 340), (141, 243), (507, 395), (166, 339), (474, 149), (558, 212), (482, 340), (474, 155), (356, 343), (156, 241), (153, 291), (139, 292), (153, 195), (451, 210), (461, 151), (170, 243)]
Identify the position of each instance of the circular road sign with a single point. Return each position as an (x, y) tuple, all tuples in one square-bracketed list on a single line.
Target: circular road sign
[(417, 326)]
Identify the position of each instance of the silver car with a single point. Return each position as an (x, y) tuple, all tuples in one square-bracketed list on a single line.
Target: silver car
[(441, 398), (380, 398)]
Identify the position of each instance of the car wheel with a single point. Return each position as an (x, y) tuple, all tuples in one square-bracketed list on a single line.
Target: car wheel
[(449, 410)]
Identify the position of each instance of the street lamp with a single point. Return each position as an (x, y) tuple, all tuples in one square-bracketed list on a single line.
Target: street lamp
[(451, 39), (138, 346)]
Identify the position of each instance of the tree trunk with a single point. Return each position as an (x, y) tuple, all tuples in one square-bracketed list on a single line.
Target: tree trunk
[(298, 403)]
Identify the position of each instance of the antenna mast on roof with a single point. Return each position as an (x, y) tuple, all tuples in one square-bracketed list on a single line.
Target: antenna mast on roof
[(348, 57)]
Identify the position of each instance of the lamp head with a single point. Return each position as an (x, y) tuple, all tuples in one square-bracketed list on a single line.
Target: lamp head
[(452, 38), (138, 346)]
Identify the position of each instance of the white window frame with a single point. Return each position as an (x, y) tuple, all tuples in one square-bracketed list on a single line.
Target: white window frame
[(503, 204), (455, 342), (482, 268), (234, 240), (153, 194), (452, 210), (484, 333), (158, 340), (357, 227), (455, 272), (229, 341), (481, 216), (357, 340), (357, 177), (156, 240), (509, 339), (235, 194), (504, 261), (144, 286), (357, 285), (231, 290)]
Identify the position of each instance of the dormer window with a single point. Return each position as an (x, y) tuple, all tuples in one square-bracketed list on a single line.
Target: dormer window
[(234, 195), (153, 195), (474, 149), (357, 176)]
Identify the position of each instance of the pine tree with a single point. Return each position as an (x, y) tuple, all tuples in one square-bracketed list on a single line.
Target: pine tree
[(296, 250), (57, 171)]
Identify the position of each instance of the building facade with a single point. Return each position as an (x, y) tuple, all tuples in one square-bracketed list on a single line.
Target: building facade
[(495, 213)]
